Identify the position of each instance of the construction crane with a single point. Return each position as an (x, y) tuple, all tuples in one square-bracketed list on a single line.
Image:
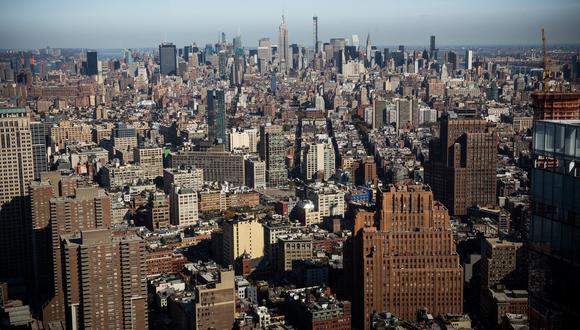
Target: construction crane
[(546, 63)]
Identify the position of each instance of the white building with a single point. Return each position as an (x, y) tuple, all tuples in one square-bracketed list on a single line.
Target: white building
[(318, 158), (184, 207)]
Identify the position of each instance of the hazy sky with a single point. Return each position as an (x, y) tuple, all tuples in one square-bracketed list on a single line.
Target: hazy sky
[(144, 23)]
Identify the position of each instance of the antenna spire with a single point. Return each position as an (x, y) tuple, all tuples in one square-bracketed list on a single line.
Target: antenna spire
[(546, 62)]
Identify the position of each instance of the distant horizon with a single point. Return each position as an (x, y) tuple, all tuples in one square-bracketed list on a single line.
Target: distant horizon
[(132, 24), (391, 47)]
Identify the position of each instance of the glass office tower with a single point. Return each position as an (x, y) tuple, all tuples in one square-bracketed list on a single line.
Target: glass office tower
[(554, 273)]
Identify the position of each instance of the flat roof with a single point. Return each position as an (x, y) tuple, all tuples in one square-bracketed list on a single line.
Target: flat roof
[(12, 110)]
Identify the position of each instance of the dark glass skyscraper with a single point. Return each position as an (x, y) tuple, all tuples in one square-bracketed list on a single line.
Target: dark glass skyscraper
[(39, 132), (168, 59), (216, 115), (91, 68), (554, 236)]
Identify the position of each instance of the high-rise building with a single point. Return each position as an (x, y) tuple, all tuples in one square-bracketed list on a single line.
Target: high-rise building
[(369, 49), (39, 132), (468, 59), (318, 161), (16, 172), (105, 282), (283, 46), (554, 257), (273, 152), (405, 257), (315, 34), (222, 64), (432, 44), (216, 166), (556, 106), (184, 207), (216, 115), (462, 163), (168, 59), (499, 263), (255, 173), (432, 48), (186, 177), (150, 158), (264, 53), (157, 212), (92, 66), (73, 210), (379, 109), (213, 304), (452, 57)]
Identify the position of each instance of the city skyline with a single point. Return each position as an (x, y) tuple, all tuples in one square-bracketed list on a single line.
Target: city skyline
[(64, 24)]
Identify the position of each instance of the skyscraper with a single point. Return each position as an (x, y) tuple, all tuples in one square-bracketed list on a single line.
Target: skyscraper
[(318, 161), (92, 67), (404, 257), (315, 32), (74, 209), (468, 59), (369, 49), (273, 152), (554, 236), (105, 283), (168, 59), (39, 132), (462, 163), (432, 49), (283, 46), (216, 115), (432, 44), (16, 172)]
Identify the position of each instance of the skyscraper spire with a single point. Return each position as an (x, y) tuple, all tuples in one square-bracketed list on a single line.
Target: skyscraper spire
[(283, 45), (369, 47)]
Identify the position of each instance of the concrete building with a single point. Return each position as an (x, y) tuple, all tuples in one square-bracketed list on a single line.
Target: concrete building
[(405, 258), (243, 140), (184, 207), (313, 308), (150, 159), (216, 166), (255, 173), (292, 247), (115, 176), (184, 177), (157, 214), (242, 236), (499, 263), (318, 161), (211, 305)]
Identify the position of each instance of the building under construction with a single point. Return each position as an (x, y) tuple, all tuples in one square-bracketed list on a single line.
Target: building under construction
[(556, 105)]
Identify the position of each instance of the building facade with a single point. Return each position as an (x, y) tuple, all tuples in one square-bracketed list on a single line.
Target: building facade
[(554, 256), (405, 257), (16, 172), (462, 163)]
